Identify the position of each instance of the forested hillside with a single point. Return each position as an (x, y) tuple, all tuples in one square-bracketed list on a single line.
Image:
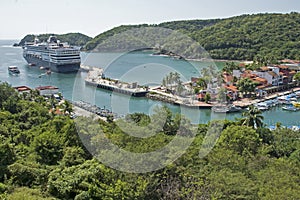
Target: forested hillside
[(42, 157), (76, 39), (242, 38)]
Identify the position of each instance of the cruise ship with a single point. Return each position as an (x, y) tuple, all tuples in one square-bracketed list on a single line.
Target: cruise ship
[(52, 55)]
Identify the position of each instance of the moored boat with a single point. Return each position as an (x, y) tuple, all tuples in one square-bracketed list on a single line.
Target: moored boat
[(53, 55), (13, 70), (226, 109), (296, 104), (290, 108), (262, 106)]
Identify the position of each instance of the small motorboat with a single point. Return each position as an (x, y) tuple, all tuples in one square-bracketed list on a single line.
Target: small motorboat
[(226, 109), (293, 99), (262, 106), (48, 72), (296, 104), (13, 70), (290, 108)]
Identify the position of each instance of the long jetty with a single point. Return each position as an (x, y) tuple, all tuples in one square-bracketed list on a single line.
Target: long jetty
[(96, 78)]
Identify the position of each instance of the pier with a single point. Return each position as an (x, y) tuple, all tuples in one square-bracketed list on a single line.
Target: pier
[(96, 78), (188, 102), (246, 102)]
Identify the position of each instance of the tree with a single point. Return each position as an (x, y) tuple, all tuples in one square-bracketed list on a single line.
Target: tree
[(297, 77), (173, 79), (207, 97), (278, 173), (7, 156), (67, 107), (239, 139), (179, 88), (222, 95), (140, 119), (253, 117), (246, 86), (202, 83), (229, 67), (8, 97), (49, 148)]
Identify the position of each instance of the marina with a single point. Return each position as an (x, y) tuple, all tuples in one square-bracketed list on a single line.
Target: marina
[(74, 88), (96, 78)]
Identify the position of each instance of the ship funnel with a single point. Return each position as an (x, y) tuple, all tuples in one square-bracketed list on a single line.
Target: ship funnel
[(36, 40), (52, 39)]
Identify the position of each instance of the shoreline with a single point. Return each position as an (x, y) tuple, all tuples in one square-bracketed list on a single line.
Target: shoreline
[(198, 59), (155, 94), (247, 103)]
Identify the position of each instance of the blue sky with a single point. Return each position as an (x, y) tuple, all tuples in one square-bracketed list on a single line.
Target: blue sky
[(91, 17)]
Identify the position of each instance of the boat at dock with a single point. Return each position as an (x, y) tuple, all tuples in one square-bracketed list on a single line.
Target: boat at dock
[(13, 70), (262, 106), (296, 104), (103, 112), (290, 108), (226, 109)]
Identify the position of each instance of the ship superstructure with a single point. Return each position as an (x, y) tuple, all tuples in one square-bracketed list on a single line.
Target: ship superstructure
[(53, 55)]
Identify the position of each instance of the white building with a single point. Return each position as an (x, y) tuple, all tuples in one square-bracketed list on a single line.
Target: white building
[(237, 73), (271, 74)]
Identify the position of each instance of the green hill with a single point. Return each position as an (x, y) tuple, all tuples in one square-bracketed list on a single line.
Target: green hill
[(77, 39), (242, 37)]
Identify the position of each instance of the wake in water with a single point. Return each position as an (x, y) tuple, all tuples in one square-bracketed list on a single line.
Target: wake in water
[(7, 46), (10, 54)]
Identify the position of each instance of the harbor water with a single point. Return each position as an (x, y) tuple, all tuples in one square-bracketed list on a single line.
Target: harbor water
[(139, 67)]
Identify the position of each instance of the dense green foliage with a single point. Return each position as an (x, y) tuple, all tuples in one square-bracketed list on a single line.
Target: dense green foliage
[(259, 37), (42, 157), (245, 37), (92, 44), (76, 39), (246, 86)]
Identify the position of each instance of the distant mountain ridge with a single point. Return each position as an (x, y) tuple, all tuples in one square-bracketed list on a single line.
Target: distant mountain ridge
[(77, 39), (244, 37)]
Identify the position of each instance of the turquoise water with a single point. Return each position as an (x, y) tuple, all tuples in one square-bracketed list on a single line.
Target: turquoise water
[(141, 67)]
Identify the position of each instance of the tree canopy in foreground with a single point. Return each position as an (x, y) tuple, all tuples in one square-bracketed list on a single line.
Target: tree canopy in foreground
[(42, 157)]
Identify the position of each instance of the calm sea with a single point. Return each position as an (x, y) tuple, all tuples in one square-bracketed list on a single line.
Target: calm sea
[(139, 67)]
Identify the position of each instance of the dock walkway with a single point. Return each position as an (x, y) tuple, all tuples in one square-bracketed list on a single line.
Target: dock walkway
[(95, 78)]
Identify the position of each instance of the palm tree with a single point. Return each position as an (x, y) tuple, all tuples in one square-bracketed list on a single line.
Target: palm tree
[(246, 86), (297, 77), (179, 88), (164, 82), (253, 117), (202, 83), (67, 107), (176, 76), (222, 96)]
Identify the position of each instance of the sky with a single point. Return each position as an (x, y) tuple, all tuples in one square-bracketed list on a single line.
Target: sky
[(92, 17)]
